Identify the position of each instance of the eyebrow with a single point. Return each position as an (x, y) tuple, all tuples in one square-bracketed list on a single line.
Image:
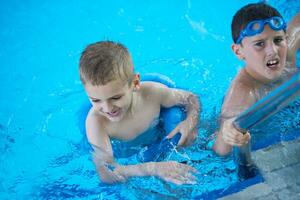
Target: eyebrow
[(93, 98), (263, 39), (280, 36), (258, 40)]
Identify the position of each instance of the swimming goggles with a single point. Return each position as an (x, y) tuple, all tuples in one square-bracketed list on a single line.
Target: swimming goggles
[(257, 26)]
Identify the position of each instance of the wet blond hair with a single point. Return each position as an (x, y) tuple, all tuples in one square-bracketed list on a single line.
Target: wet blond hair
[(105, 61)]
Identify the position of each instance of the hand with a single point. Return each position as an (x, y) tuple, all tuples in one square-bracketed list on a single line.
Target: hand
[(106, 172), (188, 133), (175, 172), (232, 136)]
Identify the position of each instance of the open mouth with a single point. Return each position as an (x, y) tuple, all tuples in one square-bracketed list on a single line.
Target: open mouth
[(114, 113), (273, 63)]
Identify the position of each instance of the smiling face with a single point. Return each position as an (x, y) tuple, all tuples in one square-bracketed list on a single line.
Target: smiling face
[(112, 100), (264, 54)]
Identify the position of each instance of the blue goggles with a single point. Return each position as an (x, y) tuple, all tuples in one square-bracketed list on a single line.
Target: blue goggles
[(257, 26)]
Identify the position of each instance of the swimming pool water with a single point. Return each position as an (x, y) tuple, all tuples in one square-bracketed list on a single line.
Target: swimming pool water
[(43, 155)]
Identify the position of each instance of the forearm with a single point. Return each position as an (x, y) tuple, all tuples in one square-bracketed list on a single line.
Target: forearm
[(115, 173), (139, 170), (228, 136), (193, 109), (221, 147)]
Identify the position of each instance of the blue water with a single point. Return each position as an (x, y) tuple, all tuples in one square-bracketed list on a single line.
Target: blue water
[(43, 155)]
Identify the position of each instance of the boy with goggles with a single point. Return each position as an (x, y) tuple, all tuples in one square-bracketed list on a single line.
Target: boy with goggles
[(257, 26), (268, 48)]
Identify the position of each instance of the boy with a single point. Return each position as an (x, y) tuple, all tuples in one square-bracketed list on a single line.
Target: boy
[(123, 108), (260, 40)]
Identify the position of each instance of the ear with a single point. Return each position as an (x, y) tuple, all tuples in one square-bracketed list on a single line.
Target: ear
[(136, 82), (237, 50)]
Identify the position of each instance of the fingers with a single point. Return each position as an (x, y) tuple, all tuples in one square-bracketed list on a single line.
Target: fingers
[(109, 176), (179, 173), (174, 180), (182, 179), (187, 139), (189, 178), (188, 134), (232, 136), (187, 168), (173, 132), (236, 139), (190, 138), (182, 140), (186, 175)]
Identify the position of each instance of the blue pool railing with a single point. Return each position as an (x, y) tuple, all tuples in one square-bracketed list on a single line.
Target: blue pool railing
[(269, 105), (260, 111)]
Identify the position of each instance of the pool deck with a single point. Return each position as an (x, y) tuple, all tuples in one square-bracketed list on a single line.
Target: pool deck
[(280, 166)]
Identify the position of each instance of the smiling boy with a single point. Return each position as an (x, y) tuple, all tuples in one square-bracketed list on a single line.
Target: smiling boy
[(124, 109)]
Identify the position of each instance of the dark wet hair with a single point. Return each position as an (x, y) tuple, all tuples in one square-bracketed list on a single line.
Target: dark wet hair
[(248, 13)]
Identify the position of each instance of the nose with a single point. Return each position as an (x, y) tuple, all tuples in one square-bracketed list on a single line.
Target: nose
[(271, 49), (106, 107)]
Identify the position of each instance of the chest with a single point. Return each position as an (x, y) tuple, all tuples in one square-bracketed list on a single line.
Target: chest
[(264, 90), (136, 123)]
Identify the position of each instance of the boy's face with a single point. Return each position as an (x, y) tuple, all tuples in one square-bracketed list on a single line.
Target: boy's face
[(111, 100), (264, 54)]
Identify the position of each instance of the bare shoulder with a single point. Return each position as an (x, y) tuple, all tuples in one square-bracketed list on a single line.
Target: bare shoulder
[(244, 80), (240, 95), (242, 84), (293, 33), (94, 118), (295, 22), (95, 128), (152, 86), (152, 90)]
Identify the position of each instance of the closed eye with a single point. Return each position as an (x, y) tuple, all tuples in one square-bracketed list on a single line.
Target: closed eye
[(117, 97), (96, 100)]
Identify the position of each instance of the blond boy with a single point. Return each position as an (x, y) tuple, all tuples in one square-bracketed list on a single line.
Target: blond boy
[(123, 108)]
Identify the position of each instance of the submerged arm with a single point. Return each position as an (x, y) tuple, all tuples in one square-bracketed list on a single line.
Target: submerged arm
[(110, 171)]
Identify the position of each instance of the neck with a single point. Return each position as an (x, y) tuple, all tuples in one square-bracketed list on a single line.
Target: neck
[(256, 77), (133, 105)]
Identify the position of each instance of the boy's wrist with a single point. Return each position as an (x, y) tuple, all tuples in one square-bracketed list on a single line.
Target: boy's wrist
[(144, 169), (148, 169), (192, 120), (193, 111)]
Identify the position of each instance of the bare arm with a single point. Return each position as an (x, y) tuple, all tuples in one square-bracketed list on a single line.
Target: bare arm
[(170, 97), (293, 33), (103, 154), (110, 171), (239, 97)]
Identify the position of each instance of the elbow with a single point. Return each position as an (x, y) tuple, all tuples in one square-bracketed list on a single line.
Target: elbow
[(108, 180), (108, 176), (221, 151), (194, 101)]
